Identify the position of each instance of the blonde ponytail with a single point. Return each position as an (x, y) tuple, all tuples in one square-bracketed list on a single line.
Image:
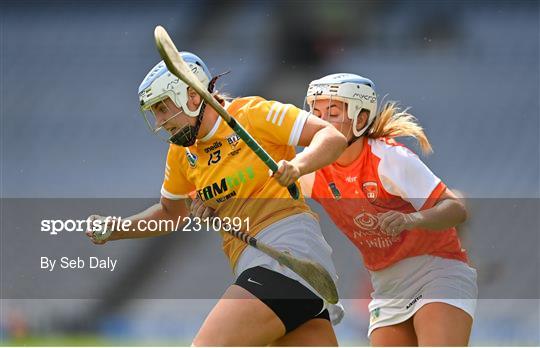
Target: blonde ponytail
[(392, 122)]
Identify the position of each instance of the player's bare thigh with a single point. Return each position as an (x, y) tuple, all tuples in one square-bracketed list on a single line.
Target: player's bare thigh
[(316, 332), (441, 324), (434, 324), (239, 319), (397, 335)]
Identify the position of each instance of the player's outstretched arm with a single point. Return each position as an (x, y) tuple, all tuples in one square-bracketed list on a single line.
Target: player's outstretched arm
[(165, 214), (323, 142)]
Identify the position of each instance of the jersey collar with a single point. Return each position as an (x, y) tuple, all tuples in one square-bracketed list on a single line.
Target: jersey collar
[(216, 125), (357, 161)]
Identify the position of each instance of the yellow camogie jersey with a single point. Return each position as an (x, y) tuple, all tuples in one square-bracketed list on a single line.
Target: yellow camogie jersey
[(226, 174)]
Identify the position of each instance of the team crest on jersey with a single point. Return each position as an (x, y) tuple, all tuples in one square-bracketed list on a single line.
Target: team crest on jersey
[(233, 140), (371, 190), (192, 159)]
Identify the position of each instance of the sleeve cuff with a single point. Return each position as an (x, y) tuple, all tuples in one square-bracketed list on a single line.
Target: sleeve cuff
[(434, 196), (298, 127), (172, 196)]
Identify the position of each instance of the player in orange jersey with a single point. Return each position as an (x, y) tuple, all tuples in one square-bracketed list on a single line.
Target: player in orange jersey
[(399, 215), (267, 302)]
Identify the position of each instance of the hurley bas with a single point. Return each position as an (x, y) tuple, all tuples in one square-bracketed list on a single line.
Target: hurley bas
[(93, 262)]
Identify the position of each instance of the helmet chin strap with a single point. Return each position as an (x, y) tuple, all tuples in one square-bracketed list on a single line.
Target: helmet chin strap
[(187, 135), (362, 133), (354, 136)]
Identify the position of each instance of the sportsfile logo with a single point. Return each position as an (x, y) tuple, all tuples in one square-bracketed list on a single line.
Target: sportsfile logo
[(115, 223)]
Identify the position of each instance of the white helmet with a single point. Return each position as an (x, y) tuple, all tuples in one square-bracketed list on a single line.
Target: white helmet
[(357, 91), (159, 83)]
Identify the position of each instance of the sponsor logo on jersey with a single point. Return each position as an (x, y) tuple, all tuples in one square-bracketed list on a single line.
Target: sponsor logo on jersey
[(213, 147), (226, 197), (373, 240), (234, 152), (370, 190), (367, 222), (334, 191), (233, 140), (351, 179), (226, 185)]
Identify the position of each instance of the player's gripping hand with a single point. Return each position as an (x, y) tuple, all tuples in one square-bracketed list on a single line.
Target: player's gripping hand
[(98, 229), (394, 222), (287, 173), (198, 209)]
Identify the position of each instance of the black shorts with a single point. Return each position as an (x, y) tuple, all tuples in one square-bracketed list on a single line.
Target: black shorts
[(292, 302)]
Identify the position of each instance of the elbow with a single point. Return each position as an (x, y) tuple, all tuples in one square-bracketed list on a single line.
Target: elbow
[(173, 210), (343, 142), (462, 213), (164, 208), (339, 141)]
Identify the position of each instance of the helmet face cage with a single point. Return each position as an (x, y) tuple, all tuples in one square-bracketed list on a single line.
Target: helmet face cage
[(356, 91), (326, 111), (150, 118)]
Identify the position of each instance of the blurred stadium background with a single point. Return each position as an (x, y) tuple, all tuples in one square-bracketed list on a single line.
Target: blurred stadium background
[(71, 132)]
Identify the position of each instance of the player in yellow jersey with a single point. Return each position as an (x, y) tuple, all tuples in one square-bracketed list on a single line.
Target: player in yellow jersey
[(268, 303)]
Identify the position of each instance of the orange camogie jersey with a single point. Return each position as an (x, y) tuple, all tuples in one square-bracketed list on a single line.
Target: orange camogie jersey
[(386, 176), (227, 175)]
